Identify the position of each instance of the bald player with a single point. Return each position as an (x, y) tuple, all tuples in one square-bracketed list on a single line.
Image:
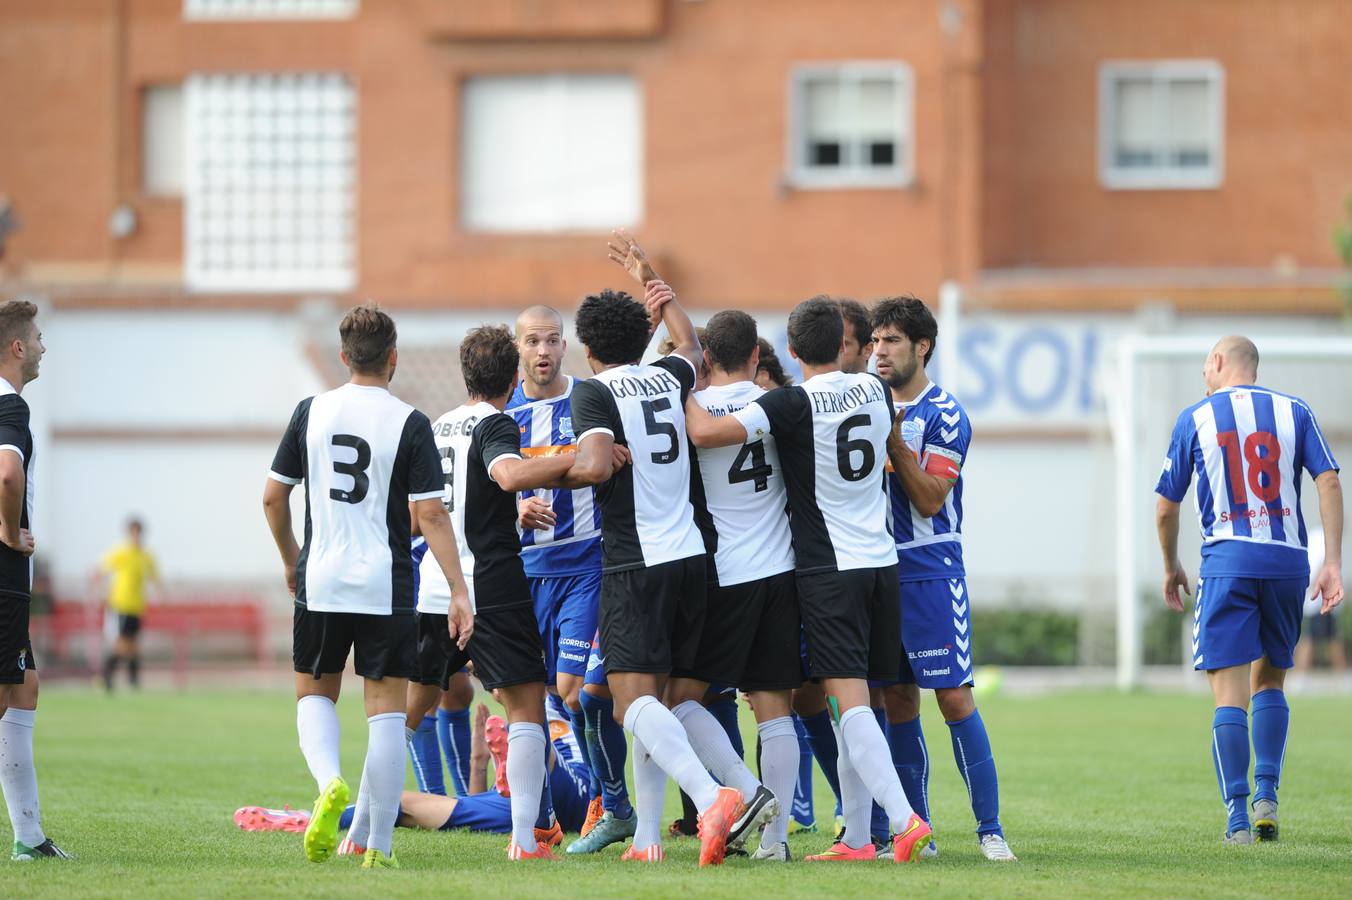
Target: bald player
[(1248, 446), (561, 549)]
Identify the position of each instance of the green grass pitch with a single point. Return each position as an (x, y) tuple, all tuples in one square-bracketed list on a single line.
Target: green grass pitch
[(1102, 795)]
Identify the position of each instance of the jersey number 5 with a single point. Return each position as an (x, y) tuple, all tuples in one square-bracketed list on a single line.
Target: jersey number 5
[(356, 470), (1263, 475), (650, 410), (846, 448)]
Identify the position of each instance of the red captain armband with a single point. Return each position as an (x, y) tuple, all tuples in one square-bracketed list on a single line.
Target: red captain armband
[(942, 463)]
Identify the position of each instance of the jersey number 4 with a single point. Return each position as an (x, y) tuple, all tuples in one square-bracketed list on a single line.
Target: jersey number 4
[(356, 470), (1263, 475), (758, 471)]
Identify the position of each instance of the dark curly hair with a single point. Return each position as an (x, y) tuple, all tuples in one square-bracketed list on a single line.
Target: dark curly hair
[(769, 362), (911, 317), (816, 331), (613, 326), (488, 360)]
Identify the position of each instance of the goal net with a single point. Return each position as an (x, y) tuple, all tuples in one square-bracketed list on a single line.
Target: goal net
[(1155, 379)]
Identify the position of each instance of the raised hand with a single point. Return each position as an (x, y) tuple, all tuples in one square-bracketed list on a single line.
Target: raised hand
[(625, 252)]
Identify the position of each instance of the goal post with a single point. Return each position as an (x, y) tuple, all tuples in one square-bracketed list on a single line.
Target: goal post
[(1156, 377)]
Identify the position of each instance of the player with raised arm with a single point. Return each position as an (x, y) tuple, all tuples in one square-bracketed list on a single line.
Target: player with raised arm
[(831, 432), (21, 351), (364, 456), (561, 550), (752, 637), (1248, 446), (927, 452), (653, 577), (480, 448)]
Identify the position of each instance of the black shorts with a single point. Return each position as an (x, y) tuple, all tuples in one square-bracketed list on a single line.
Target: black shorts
[(852, 621), (383, 646), (16, 650), (652, 619), (118, 625), (505, 647), (751, 635)]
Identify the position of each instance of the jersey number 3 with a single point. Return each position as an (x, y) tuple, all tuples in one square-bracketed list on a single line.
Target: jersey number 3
[(356, 470), (1261, 472)]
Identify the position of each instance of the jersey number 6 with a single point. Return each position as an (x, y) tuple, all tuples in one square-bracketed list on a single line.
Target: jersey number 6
[(846, 448)]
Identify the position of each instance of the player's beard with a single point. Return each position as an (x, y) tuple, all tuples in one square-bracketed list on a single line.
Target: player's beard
[(30, 367), (902, 375), (533, 373)]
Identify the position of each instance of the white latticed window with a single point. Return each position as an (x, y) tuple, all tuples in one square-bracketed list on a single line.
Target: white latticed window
[(1161, 124), (270, 200), (268, 9), (851, 125)]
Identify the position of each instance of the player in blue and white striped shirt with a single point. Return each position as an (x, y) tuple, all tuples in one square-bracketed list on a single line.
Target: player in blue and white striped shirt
[(927, 453), (561, 550), (1248, 446)]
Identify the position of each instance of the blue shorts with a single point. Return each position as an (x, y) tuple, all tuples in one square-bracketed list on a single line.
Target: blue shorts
[(936, 633), (596, 663), (569, 788), (566, 608), (1238, 620)]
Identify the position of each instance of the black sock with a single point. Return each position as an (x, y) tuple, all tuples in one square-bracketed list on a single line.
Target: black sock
[(134, 670), (689, 815)]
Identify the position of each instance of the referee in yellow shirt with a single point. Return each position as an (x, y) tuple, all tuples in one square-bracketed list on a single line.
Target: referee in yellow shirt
[(130, 566)]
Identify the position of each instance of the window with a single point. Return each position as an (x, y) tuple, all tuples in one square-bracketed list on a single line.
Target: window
[(851, 125), (162, 140), (270, 194), (1161, 124), (551, 153), (269, 9)]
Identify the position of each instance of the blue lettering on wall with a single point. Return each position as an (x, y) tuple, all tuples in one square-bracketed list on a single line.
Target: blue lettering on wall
[(1013, 364)]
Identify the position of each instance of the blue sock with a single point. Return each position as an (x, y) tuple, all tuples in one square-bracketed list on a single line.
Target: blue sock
[(802, 811), (725, 711), (345, 820), (578, 719), (880, 827), (1230, 753), (426, 758), (607, 750), (453, 733), (545, 817), (1271, 718), (911, 760), (822, 739), (972, 752)]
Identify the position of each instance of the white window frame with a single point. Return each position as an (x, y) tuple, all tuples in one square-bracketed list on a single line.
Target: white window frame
[(902, 171), (149, 149), (1160, 72), (246, 10)]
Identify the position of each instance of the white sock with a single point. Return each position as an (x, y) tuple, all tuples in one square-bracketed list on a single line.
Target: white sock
[(779, 768), (856, 804), (872, 761), (650, 794), (710, 743), (385, 774), (317, 723), (359, 832), (651, 722), (19, 777), (526, 744)]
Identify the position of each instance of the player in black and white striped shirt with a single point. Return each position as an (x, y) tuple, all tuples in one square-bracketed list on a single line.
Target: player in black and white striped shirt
[(832, 433), (363, 456), (21, 352), (653, 570)]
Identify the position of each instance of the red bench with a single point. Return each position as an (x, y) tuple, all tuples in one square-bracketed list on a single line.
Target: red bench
[(182, 621)]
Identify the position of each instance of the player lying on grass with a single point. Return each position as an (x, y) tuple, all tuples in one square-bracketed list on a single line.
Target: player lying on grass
[(486, 808)]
